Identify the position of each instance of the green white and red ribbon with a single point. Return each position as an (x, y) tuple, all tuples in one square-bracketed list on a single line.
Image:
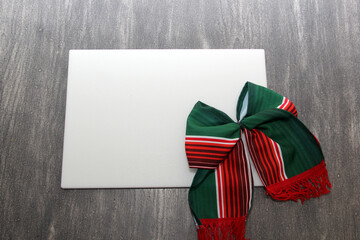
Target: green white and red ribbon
[(286, 155)]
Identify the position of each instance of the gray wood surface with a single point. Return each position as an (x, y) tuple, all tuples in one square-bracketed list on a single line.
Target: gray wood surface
[(313, 57)]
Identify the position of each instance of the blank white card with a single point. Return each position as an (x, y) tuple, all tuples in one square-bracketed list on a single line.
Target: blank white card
[(126, 111)]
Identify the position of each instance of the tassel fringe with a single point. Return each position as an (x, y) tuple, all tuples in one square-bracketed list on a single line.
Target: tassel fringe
[(222, 229), (309, 184)]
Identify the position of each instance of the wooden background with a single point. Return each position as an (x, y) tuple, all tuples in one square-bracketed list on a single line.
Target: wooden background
[(312, 56)]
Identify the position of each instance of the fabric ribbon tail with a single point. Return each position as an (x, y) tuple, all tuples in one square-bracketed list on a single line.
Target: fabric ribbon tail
[(222, 228), (309, 184)]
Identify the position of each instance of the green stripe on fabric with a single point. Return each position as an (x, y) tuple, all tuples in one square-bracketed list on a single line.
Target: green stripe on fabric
[(299, 147), (208, 121), (202, 195)]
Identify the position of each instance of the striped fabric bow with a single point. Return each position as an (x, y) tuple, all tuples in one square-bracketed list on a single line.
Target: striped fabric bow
[(286, 156)]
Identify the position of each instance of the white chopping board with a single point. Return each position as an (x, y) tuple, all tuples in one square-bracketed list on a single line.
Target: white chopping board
[(126, 111)]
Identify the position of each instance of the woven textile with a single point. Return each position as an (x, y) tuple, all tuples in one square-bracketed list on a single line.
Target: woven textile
[(286, 155)]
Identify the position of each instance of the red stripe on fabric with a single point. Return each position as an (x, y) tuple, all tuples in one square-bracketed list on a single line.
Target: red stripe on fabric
[(204, 153), (291, 107), (232, 184), (250, 139), (288, 105), (238, 195), (207, 151), (203, 164), (236, 191), (276, 159), (242, 205), (228, 145), (262, 161), (284, 103), (280, 160), (245, 193), (219, 184), (211, 149), (253, 156), (211, 139), (265, 157), (270, 154), (237, 187), (246, 175), (204, 157), (227, 183), (295, 113), (223, 189)]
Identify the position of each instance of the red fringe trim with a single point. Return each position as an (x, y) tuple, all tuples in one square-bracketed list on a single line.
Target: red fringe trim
[(222, 229), (309, 184)]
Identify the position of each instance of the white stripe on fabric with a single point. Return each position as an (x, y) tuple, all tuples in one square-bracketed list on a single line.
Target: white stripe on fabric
[(287, 103), (217, 193), (244, 107), (248, 157), (277, 159), (282, 102), (282, 159), (246, 207), (197, 141), (210, 137), (222, 191)]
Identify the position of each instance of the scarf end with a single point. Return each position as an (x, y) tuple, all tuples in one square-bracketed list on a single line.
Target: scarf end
[(309, 184), (222, 228)]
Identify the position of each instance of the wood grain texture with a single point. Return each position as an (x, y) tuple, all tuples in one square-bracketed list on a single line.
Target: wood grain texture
[(313, 57)]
